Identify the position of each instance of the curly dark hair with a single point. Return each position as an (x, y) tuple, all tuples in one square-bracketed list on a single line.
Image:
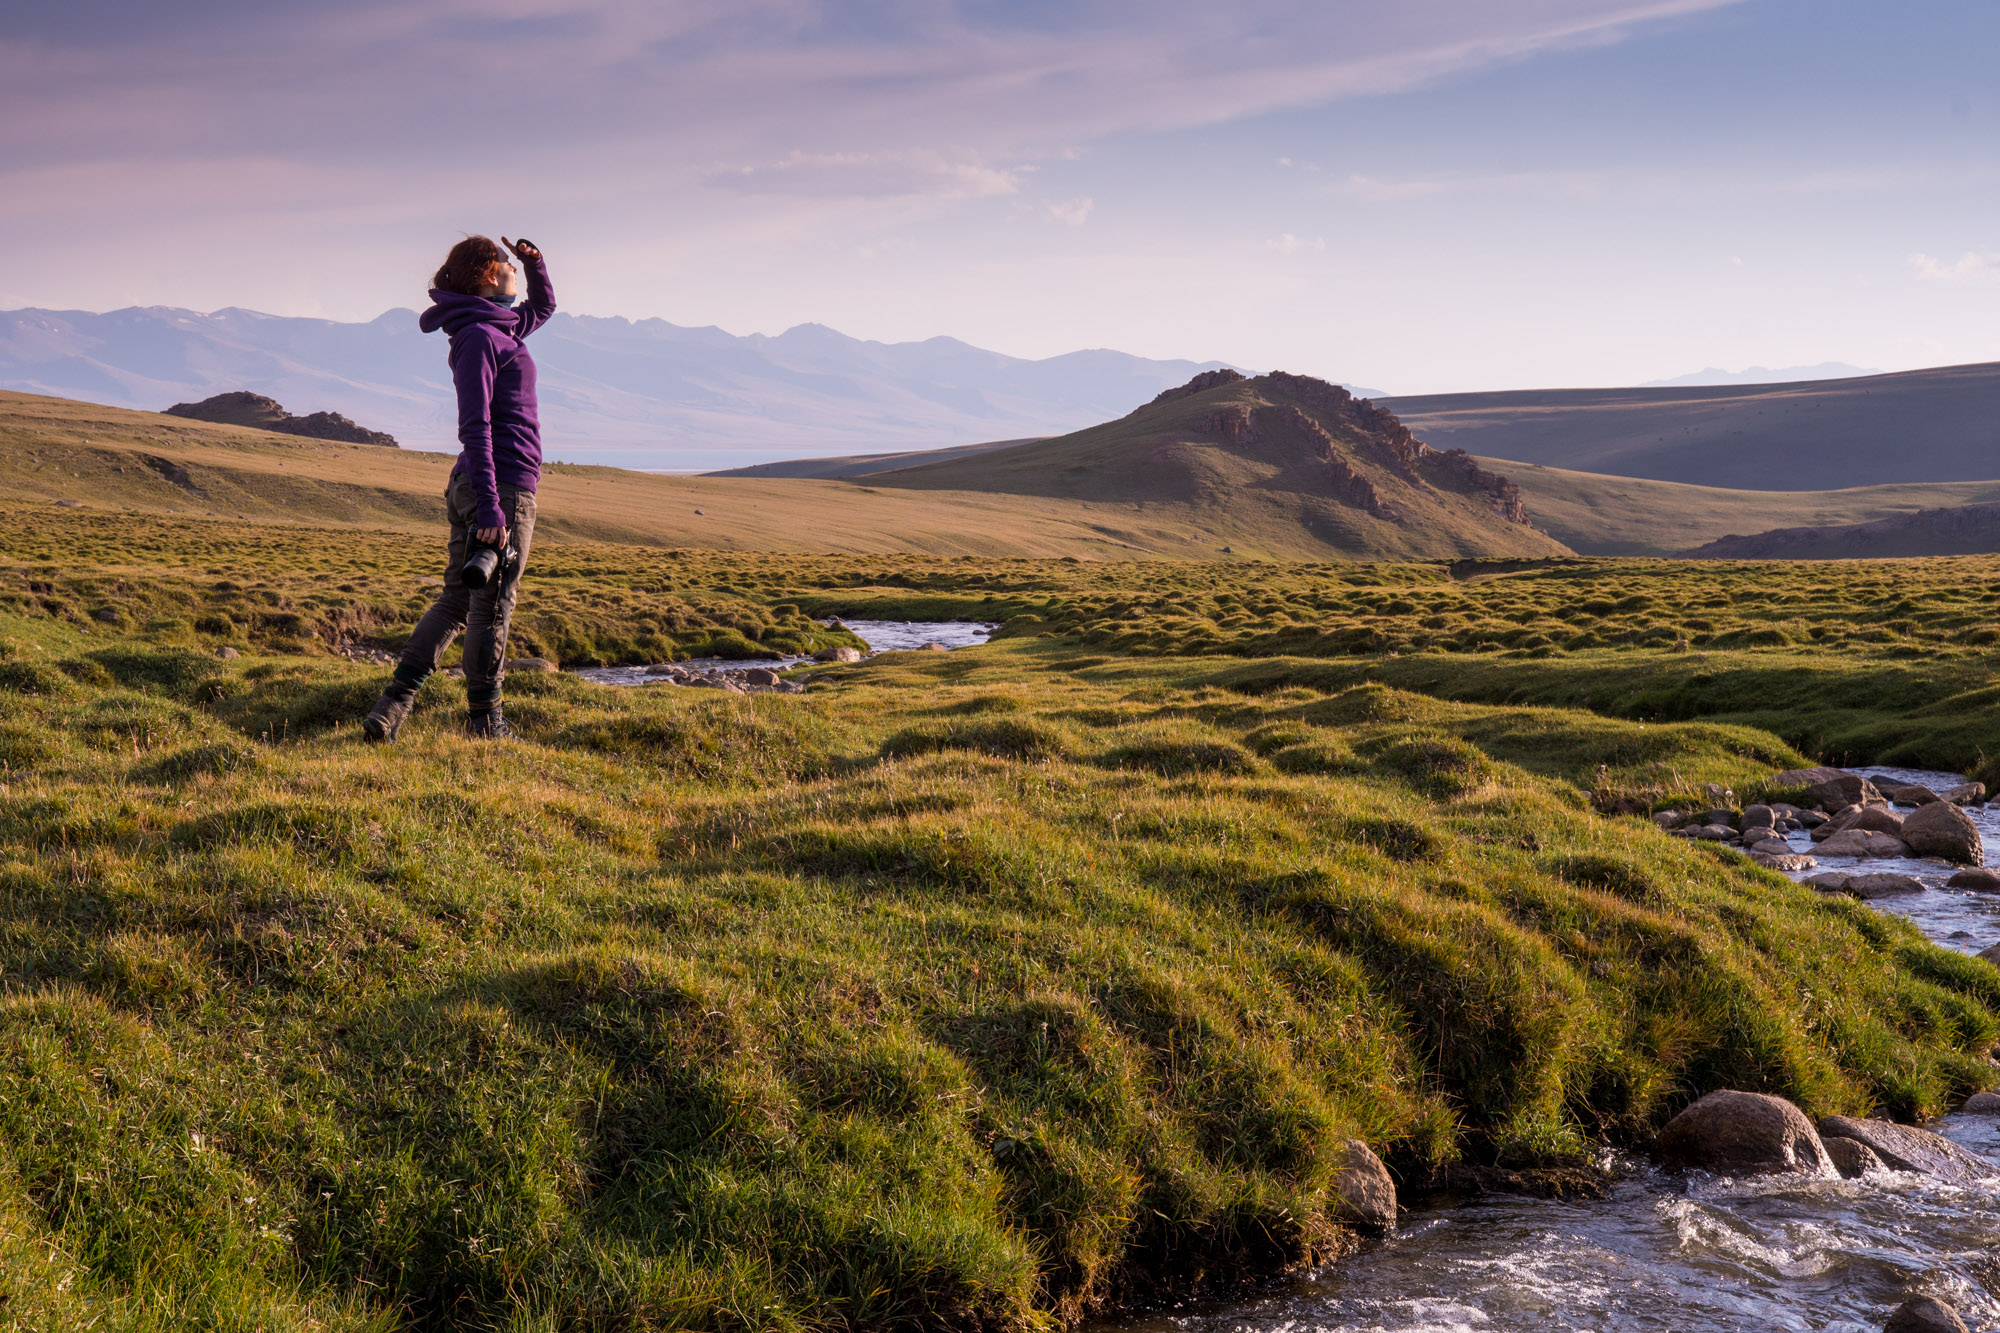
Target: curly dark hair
[(473, 262)]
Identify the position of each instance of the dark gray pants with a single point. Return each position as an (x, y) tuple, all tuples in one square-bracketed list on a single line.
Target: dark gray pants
[(483, 613)]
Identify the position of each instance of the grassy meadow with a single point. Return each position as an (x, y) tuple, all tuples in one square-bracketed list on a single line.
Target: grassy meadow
[(965, 991)]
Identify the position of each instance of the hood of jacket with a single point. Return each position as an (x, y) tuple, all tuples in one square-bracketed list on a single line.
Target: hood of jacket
[(455, 311)]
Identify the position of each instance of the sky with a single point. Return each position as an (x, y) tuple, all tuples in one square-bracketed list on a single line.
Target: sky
[(1414, 195)]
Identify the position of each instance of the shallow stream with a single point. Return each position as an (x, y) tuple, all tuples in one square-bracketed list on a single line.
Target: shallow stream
[(1691, 1254), (881, 636)]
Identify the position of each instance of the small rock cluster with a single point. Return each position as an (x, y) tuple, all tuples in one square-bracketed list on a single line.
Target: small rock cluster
[(752, 680), (1851, 817), (1755, 1134)]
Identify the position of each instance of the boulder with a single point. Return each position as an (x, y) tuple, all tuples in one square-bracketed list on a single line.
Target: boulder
[(530, 664), (1830, 881), (1790, 862), (1854, 842), (1944, 830), (1762, 816), (933, 648), (1769, 846), (1743, 1134), (1851, 1157), (663, 669), (1906, 1148), (1830, 787), (1976, 877), (1725, 818), (1882, 884), (1965, 793), (842, 654), (1914, 793), (1838, 822), (1669, 819), (1924, 1314), (1810, 818), (227, 654), (1991, 953), (1982, 1103), (758, 676), (1367, 1194), (1711, 832)]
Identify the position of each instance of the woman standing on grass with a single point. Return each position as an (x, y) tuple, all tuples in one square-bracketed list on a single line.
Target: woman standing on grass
[(491, 494)]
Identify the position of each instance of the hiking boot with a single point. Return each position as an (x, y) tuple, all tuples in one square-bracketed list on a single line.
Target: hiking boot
[(385, 719), (488, 725)]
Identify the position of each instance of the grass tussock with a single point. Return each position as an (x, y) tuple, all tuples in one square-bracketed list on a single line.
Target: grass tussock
[(966, 991)]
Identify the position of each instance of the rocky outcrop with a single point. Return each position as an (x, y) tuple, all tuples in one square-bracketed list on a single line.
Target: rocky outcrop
[(1942, 829), (1502, 494), (1743, 1134), (1367, 1194), (1906, 1148), (253, 409), (1202, 383), (1924, 1314), (1347, 485), (1236, 424)]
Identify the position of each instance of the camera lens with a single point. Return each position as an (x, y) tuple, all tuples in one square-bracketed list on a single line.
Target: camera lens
[(479, 567)]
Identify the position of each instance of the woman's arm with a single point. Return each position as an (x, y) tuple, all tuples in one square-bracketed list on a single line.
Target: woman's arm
[(541, 303)]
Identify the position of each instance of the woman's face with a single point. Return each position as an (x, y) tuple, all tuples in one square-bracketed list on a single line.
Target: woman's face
[(505, 281)]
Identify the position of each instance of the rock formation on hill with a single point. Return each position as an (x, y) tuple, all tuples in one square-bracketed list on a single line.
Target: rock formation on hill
[(253, 409), (1284, 460), (1960, 530)]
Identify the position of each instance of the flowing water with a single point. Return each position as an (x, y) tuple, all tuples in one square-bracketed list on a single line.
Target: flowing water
[(1679, 1254), (881, 636)]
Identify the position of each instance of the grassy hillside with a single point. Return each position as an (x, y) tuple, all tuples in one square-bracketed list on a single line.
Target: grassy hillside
[(56, 450), (1918, 426), (1596, 514), (1961, 530), (1262, 457), (965, 991)]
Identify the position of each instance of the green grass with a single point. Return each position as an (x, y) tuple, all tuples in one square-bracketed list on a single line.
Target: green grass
[(969, 990)]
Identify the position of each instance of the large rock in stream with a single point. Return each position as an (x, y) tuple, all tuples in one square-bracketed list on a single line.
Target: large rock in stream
[(1744, 1134), (1905, 1148), (1830, 787), (1924, 1314), (1942, 829), (1367, 1194)]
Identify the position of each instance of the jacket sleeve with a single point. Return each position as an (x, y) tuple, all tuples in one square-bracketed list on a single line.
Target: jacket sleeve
[(472, 372), (541, 302)]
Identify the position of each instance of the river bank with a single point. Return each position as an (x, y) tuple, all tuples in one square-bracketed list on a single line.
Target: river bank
[(1671, 1253)]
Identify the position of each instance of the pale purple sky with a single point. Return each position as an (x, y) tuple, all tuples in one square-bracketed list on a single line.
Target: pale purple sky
[(1418, 195)]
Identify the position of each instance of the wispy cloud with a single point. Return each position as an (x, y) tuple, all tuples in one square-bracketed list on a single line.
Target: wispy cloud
[(888, 175), (1288, 244), (1072, 212), (1972, 266)]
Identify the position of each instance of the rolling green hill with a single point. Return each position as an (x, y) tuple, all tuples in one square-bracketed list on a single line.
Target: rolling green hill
[(1257, 460), (1918, 426)]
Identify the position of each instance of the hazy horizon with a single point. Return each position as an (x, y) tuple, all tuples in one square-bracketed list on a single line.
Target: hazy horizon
[(1441, 196)]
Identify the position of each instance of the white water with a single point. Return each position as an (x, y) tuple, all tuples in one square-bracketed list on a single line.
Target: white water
[(881, 636), (1679, 1254)]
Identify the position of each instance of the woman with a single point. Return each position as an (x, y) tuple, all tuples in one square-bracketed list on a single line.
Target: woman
[(491, 494)]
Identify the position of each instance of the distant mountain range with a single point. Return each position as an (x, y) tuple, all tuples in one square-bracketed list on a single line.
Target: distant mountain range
[(644, 395), (1825, 370)]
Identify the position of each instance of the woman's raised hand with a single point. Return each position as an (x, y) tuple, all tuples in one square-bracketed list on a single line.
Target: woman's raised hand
[(523, 249)]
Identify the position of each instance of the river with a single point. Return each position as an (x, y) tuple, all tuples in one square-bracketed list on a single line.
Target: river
[(1678, 1254)]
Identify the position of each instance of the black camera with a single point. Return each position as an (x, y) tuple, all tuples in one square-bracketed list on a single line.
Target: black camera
[(489, 565)]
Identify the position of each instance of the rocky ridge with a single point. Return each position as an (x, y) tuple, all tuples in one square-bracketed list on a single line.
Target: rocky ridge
[(242, 408)]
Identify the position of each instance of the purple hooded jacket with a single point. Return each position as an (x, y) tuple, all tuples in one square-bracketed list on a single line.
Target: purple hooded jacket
[(499, 431)]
